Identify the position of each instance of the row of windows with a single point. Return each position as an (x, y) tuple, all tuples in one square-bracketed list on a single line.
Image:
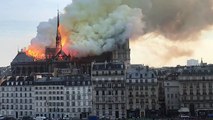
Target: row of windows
[(20, 83), (49, 104), (110, 99), (16, 94), (153, 87), (50, 88), (197, 93), (20, 113), (73, 110), (21, 107), (145, 75), (17, 101), (109, 85), (16, 89), (108, 73), (110, 106), (198, 85), (172, 96), (131, 101), (142, 94), (50, 92), (200, 105), (50, 98), (78, 92), (109, 92), (141, 81)]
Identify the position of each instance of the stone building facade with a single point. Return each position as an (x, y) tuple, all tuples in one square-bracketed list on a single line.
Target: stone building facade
[(196, 88), (17, 97), (141, 91), (108, 81), (171, 88), (52, 97)]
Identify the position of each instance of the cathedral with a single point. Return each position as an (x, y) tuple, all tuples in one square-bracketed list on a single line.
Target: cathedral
[(57, 61)]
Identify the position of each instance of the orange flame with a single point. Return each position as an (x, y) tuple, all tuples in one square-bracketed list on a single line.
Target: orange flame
[(38, 52), (64, 35), (35, 52)]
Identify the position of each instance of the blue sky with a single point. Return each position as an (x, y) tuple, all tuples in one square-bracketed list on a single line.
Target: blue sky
[(18, 23)]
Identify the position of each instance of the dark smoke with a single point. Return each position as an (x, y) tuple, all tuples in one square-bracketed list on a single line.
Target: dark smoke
[(176, 19)]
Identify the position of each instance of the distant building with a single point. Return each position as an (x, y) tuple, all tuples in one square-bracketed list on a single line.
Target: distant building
[(56, 97), (17, 97), (196, 89), (141, 92), (108, 80), (68, 96), (172, 99), (192, 62)]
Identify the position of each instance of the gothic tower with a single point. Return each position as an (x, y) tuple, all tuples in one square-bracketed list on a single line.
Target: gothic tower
[(122, 54)]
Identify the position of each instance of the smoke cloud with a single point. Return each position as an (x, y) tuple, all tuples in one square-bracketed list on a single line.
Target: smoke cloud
[(97, 26)]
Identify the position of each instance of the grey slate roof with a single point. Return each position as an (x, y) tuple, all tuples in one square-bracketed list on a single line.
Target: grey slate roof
[(108, 66), (22, 57)]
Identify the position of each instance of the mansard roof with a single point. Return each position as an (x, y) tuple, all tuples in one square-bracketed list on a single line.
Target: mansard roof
[(18, 81), (198, 71), (140, 71), (72, 80), (108, 66), (22, 57)]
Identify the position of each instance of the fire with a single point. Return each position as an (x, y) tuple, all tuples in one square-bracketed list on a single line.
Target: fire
[(64, 35), (36, 53)]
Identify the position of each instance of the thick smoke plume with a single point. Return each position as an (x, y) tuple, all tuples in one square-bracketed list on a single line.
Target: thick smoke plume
[(91, 27)]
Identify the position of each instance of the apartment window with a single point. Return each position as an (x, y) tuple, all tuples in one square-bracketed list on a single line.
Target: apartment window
[(73, 109), (73, 103), (171, 95), (168, 95)]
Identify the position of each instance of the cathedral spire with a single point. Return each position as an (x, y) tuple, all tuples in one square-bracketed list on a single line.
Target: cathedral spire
[(58, 35)]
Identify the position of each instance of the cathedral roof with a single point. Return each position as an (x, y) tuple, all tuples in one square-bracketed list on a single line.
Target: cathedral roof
[(22, 57)]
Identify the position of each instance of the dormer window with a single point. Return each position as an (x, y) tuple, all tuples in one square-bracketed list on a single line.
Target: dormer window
[(11, 83), (7, 83), (21, 83)]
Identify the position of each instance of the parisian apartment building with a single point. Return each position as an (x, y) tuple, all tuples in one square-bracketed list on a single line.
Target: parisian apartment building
[(112, 90), (141, 91), (171, 89), (52, 97), (196, 88), (109, 95)]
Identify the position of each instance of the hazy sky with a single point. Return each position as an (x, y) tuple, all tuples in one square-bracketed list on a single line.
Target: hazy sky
[(18, 23), (19, 20)]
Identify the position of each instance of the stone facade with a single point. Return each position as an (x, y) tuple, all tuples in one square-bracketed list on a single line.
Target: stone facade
[(108, 80), (55, 97), (141, 91), (196, 88)]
